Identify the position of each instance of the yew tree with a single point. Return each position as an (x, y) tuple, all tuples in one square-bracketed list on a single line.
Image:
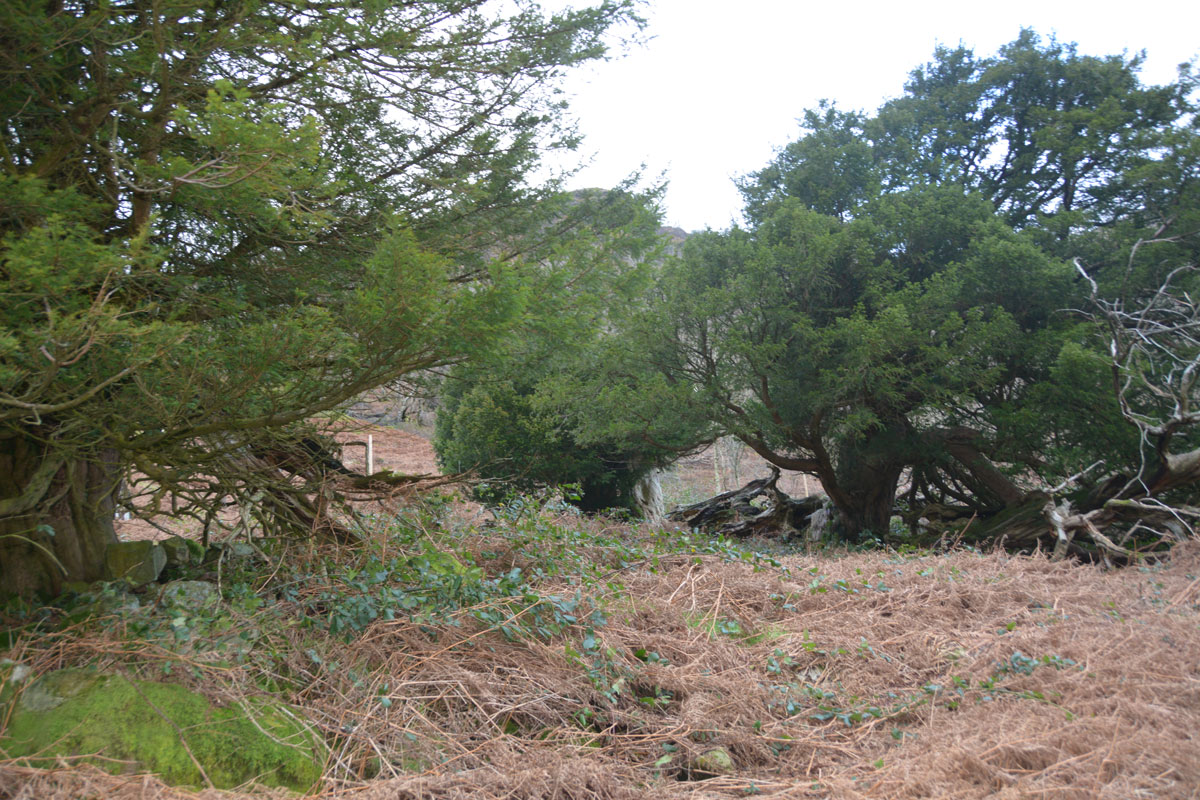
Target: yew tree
[(219, 219), (897, 312), (515, 417), (569, 397)]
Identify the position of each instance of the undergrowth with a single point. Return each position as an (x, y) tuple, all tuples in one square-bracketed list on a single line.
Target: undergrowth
[(536, 572), (443, 644)]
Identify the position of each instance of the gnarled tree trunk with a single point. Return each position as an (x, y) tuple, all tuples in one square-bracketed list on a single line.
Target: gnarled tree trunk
[(732, 513), (863, 490), (648, 497), (56, 517)]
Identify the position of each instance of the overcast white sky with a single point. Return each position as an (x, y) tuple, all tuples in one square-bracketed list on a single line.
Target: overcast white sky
[(720, 85)]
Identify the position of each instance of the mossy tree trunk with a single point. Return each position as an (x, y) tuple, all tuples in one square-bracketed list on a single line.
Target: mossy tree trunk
[(56, 517)]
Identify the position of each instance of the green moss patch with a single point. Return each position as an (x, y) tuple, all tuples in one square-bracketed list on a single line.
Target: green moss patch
[(133, 726)]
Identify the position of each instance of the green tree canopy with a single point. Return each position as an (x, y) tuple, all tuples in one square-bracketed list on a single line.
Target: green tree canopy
[(897, 307), (518, 417), (217, 220)]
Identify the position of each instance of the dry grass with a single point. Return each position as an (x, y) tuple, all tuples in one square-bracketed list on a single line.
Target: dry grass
[(1094, 693)]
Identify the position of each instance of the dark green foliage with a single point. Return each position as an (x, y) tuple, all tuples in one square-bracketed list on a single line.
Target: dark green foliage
[(1038, 128), (492, 427), (220, 220), (899, 306), (531, 413)]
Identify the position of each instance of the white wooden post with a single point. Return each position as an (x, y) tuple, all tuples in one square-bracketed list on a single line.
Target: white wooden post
[(370, 454)]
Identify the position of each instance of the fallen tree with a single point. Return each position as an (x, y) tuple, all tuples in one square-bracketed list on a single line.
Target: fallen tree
[(1040, 520), (1154, 347), (734, 513)]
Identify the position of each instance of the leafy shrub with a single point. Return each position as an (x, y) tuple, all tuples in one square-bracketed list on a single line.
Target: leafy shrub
[(496, 428)]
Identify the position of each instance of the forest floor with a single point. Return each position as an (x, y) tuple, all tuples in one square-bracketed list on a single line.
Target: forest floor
[(555, 657)]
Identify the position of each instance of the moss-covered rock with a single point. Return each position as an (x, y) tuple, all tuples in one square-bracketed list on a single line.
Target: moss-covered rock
[(182, 552), (137, 562), (712, 763), (189, 595), (143, 726)]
